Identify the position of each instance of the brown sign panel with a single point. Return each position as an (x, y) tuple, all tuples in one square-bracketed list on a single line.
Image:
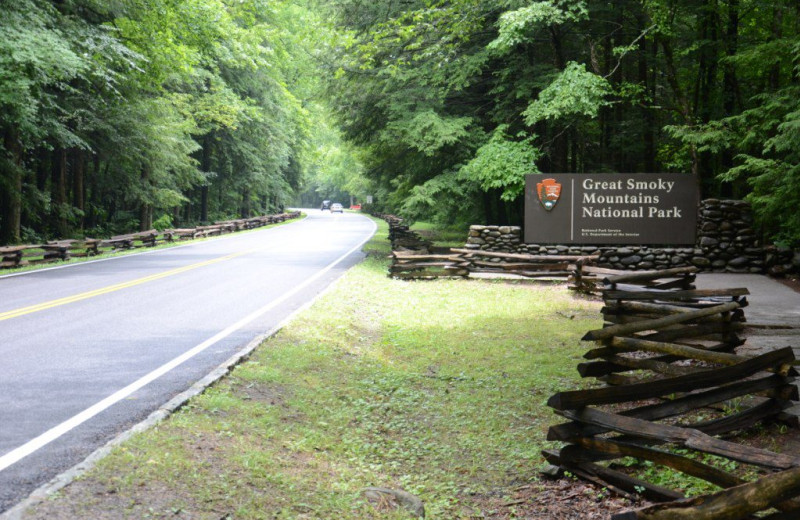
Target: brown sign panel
[(606, 208)]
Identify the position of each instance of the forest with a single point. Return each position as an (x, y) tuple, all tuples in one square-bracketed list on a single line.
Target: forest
[(130, 114)]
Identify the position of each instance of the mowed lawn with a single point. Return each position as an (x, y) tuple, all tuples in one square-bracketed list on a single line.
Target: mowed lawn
[(437, 388)]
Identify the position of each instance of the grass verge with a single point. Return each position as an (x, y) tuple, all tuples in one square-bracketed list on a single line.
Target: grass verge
[(443, 237), (437, 388)]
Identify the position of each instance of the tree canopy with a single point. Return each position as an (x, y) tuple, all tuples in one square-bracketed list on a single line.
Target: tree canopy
[(140, 113), (461, 98), (126, 114)]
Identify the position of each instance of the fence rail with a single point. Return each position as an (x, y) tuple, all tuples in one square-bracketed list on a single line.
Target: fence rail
[(416, 258), (60, 250), (673, 384)]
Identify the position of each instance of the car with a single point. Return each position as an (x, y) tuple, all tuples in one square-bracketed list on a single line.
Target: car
[(336, 207), (326, 204)]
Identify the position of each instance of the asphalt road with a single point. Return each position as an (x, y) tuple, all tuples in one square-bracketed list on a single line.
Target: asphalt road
[(89, 350)]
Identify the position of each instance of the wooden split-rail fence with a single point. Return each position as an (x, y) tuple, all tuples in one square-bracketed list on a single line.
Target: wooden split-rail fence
[(402, 238), (416, 258), (463, 262), (673, 385), (60, 250)]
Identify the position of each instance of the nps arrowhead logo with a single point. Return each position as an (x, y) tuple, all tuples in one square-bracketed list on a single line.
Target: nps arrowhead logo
[(549, 191)]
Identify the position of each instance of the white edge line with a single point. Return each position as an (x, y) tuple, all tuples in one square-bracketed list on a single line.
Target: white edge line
[(190, 244), (165, 410)]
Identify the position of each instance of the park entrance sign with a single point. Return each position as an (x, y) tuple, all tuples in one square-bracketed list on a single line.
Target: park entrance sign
[(604, 208)]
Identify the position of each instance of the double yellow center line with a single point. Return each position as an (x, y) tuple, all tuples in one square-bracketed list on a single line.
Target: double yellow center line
[(113, 288)]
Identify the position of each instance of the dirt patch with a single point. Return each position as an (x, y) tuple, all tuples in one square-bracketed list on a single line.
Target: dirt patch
[(272, 394), (563, 499), (792, 281)]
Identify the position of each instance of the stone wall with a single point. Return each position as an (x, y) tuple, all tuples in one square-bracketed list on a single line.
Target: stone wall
[(726, 242)]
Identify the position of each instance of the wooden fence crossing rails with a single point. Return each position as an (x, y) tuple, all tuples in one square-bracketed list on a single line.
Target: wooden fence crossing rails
[(406, 265), (415, 258), (673, 383), (463, 262), (402, 238), (529, 266), (591, 279), (59, 250)]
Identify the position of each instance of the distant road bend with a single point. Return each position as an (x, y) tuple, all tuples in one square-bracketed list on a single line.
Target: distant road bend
[(88, 350)]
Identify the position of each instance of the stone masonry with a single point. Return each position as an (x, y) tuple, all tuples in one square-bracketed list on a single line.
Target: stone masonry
[(726, 242)]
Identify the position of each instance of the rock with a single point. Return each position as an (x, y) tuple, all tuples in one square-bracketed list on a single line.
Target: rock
[(701, 261), (777, 271), (504, 230), (730, 269), (708, 242), (631, 260), (739, 261), (624, 251), (384, 498)]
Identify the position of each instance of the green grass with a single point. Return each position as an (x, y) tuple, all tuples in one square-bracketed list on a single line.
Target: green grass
[(443, 237), (438, 388)]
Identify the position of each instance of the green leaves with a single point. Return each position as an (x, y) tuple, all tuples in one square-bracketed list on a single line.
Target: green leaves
[(427, 131), (520, 26), (574, 92), (502, 163)]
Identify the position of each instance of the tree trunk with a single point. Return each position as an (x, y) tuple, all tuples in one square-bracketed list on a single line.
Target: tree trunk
[(559, 149), (246, 213), (12, 198), (59, 192), (683, 103), (93, 195), (204, 204), (205, 166), (78, 185), (648, 138), (777, 33), (730, 87), (145, 209)]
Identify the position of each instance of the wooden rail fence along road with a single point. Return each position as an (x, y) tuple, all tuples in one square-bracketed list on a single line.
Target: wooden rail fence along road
[(415, 258), (672, 386), (60, 250)]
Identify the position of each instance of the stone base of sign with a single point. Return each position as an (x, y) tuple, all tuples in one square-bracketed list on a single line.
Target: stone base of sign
[(726, 242)]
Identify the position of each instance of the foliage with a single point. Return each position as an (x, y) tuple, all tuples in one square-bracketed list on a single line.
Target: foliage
[(574, 92), (190, 108), (113, 112), (502, 164), (433, 87)]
